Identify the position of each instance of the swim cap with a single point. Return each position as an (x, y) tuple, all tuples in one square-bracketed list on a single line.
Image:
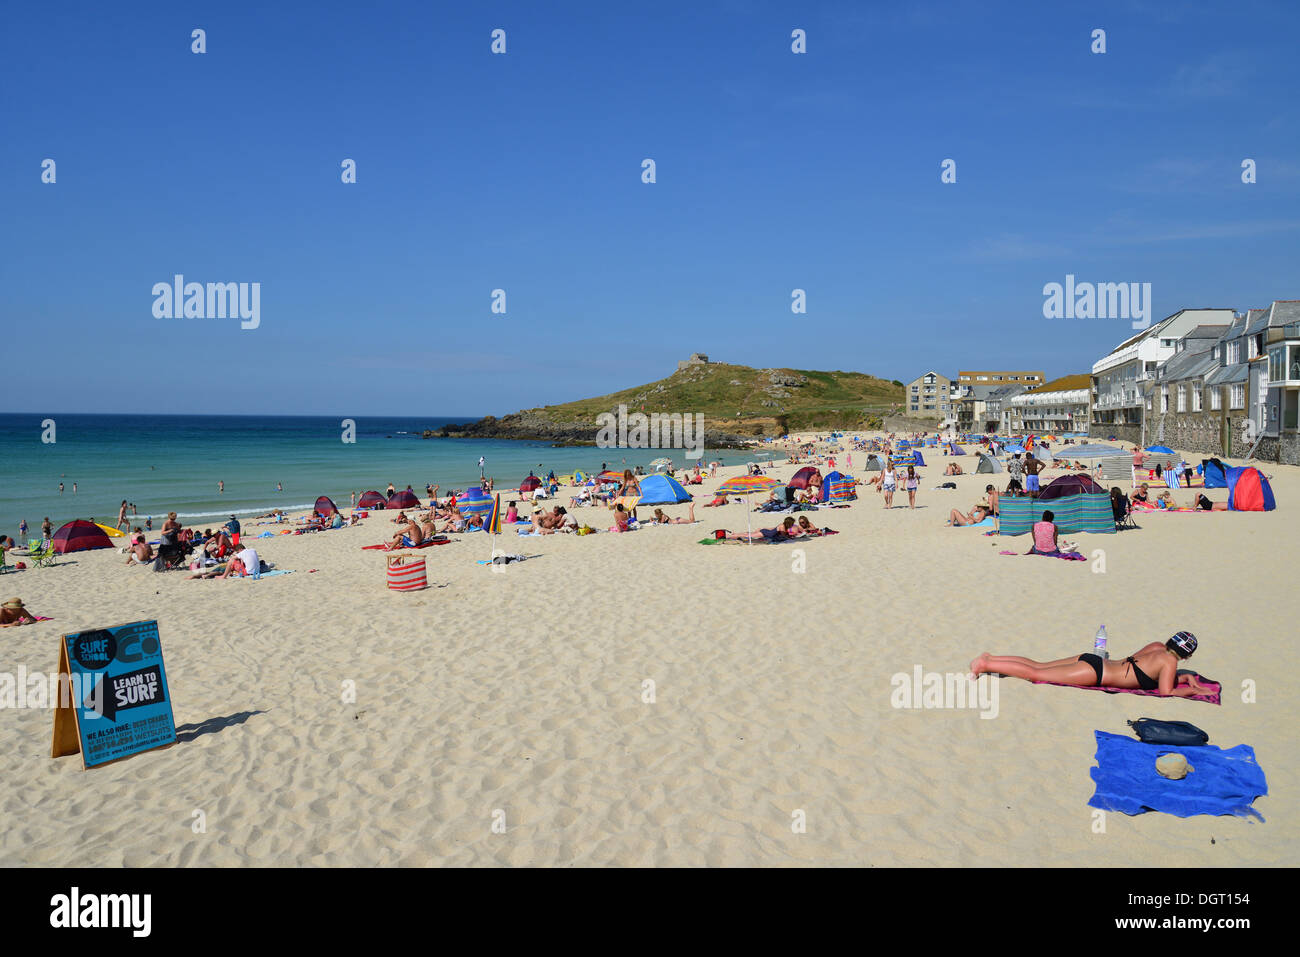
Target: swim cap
[(1185, 642)]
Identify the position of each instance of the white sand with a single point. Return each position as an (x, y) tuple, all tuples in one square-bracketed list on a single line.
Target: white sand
[(521, 690)]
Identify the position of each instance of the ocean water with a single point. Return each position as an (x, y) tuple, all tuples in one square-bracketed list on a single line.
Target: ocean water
[(163, 463)]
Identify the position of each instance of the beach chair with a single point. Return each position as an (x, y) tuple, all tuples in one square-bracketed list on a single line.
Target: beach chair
[(1123, 513), (42, 553)]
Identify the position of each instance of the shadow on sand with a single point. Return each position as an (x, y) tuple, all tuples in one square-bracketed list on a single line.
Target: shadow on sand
[(188, 732)]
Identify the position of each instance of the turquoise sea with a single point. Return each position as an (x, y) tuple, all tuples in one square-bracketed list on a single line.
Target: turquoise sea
[(174, 462)]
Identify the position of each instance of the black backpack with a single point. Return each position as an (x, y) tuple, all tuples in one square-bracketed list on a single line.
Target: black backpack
[(1177, 733)]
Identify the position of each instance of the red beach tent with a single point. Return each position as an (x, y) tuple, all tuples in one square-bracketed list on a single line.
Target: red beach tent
[(80, 536)]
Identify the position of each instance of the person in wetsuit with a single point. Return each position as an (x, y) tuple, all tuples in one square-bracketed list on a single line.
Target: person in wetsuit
[(1154, 667)]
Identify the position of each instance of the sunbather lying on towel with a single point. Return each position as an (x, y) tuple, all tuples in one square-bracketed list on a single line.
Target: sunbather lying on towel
[(787, 529), (1153, 667), (717, 500), (13, 613), (661, 519), (976, 515)]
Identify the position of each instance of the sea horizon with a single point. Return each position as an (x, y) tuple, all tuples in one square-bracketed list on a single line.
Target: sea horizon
[(174, 462)]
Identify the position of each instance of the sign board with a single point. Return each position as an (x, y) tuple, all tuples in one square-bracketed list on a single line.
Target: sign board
[(113, 699)]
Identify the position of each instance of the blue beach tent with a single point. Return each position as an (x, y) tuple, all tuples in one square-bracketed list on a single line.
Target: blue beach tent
[(662, 490), (1215, 473)]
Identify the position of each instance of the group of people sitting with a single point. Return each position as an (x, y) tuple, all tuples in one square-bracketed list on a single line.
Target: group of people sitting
[(1142, 498)]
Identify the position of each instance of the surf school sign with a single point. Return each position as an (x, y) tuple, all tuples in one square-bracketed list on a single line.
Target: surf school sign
[(127, 709)]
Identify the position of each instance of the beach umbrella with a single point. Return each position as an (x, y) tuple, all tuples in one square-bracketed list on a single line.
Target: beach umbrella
[(492, 524), (661, 463), (1093, 451), (609, 475), (1162, 449), (530, 483), (747, 485)]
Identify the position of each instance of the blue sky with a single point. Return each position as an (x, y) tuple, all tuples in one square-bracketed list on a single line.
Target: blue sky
[(522, 171)]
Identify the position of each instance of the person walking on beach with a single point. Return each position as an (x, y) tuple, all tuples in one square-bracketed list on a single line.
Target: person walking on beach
[(47, 529), (888, 482), (912, 483), (1014, 468), (121, 516)]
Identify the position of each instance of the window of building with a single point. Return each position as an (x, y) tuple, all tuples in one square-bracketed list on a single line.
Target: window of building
[(1196, 398), (1166, 343), (1238, 396), (916, 388), (1216, 399), (1182, 397), (1276, 365), (1164, 399), (982, 378)]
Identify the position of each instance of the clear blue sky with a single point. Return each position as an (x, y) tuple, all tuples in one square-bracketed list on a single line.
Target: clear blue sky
[(775, 171)]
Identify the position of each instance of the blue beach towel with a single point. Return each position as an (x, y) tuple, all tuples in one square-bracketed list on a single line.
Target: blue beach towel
[(1225, 781)]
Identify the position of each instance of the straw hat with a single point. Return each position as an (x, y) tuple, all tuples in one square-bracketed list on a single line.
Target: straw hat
[(13, 603), (1173, 766)]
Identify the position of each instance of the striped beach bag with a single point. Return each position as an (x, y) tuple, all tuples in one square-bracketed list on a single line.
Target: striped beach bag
[(407, 573)]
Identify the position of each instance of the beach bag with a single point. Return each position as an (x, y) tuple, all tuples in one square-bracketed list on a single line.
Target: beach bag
[(1176, 733), (720, 533), (407, 573)]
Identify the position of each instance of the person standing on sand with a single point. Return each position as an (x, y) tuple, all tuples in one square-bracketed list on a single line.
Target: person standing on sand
[(354, 498), (1032, 468), (912, 483), (47, 529), (888, 482), (121, 516)]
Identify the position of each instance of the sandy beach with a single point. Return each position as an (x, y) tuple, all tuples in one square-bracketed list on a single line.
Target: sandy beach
[(518, 694)]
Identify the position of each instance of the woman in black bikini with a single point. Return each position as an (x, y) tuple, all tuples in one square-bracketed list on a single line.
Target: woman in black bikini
[(1153, 668)]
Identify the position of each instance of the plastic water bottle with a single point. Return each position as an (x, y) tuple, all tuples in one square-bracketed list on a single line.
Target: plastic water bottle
[(1099, 643)]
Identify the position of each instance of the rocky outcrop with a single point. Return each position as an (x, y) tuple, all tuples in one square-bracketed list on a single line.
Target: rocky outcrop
[(539, 427)]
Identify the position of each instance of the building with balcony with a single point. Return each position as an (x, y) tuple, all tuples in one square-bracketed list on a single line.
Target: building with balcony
[(1121, 379), (1279, 326), (1062, 405), (929, 397), (1030, 380)]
